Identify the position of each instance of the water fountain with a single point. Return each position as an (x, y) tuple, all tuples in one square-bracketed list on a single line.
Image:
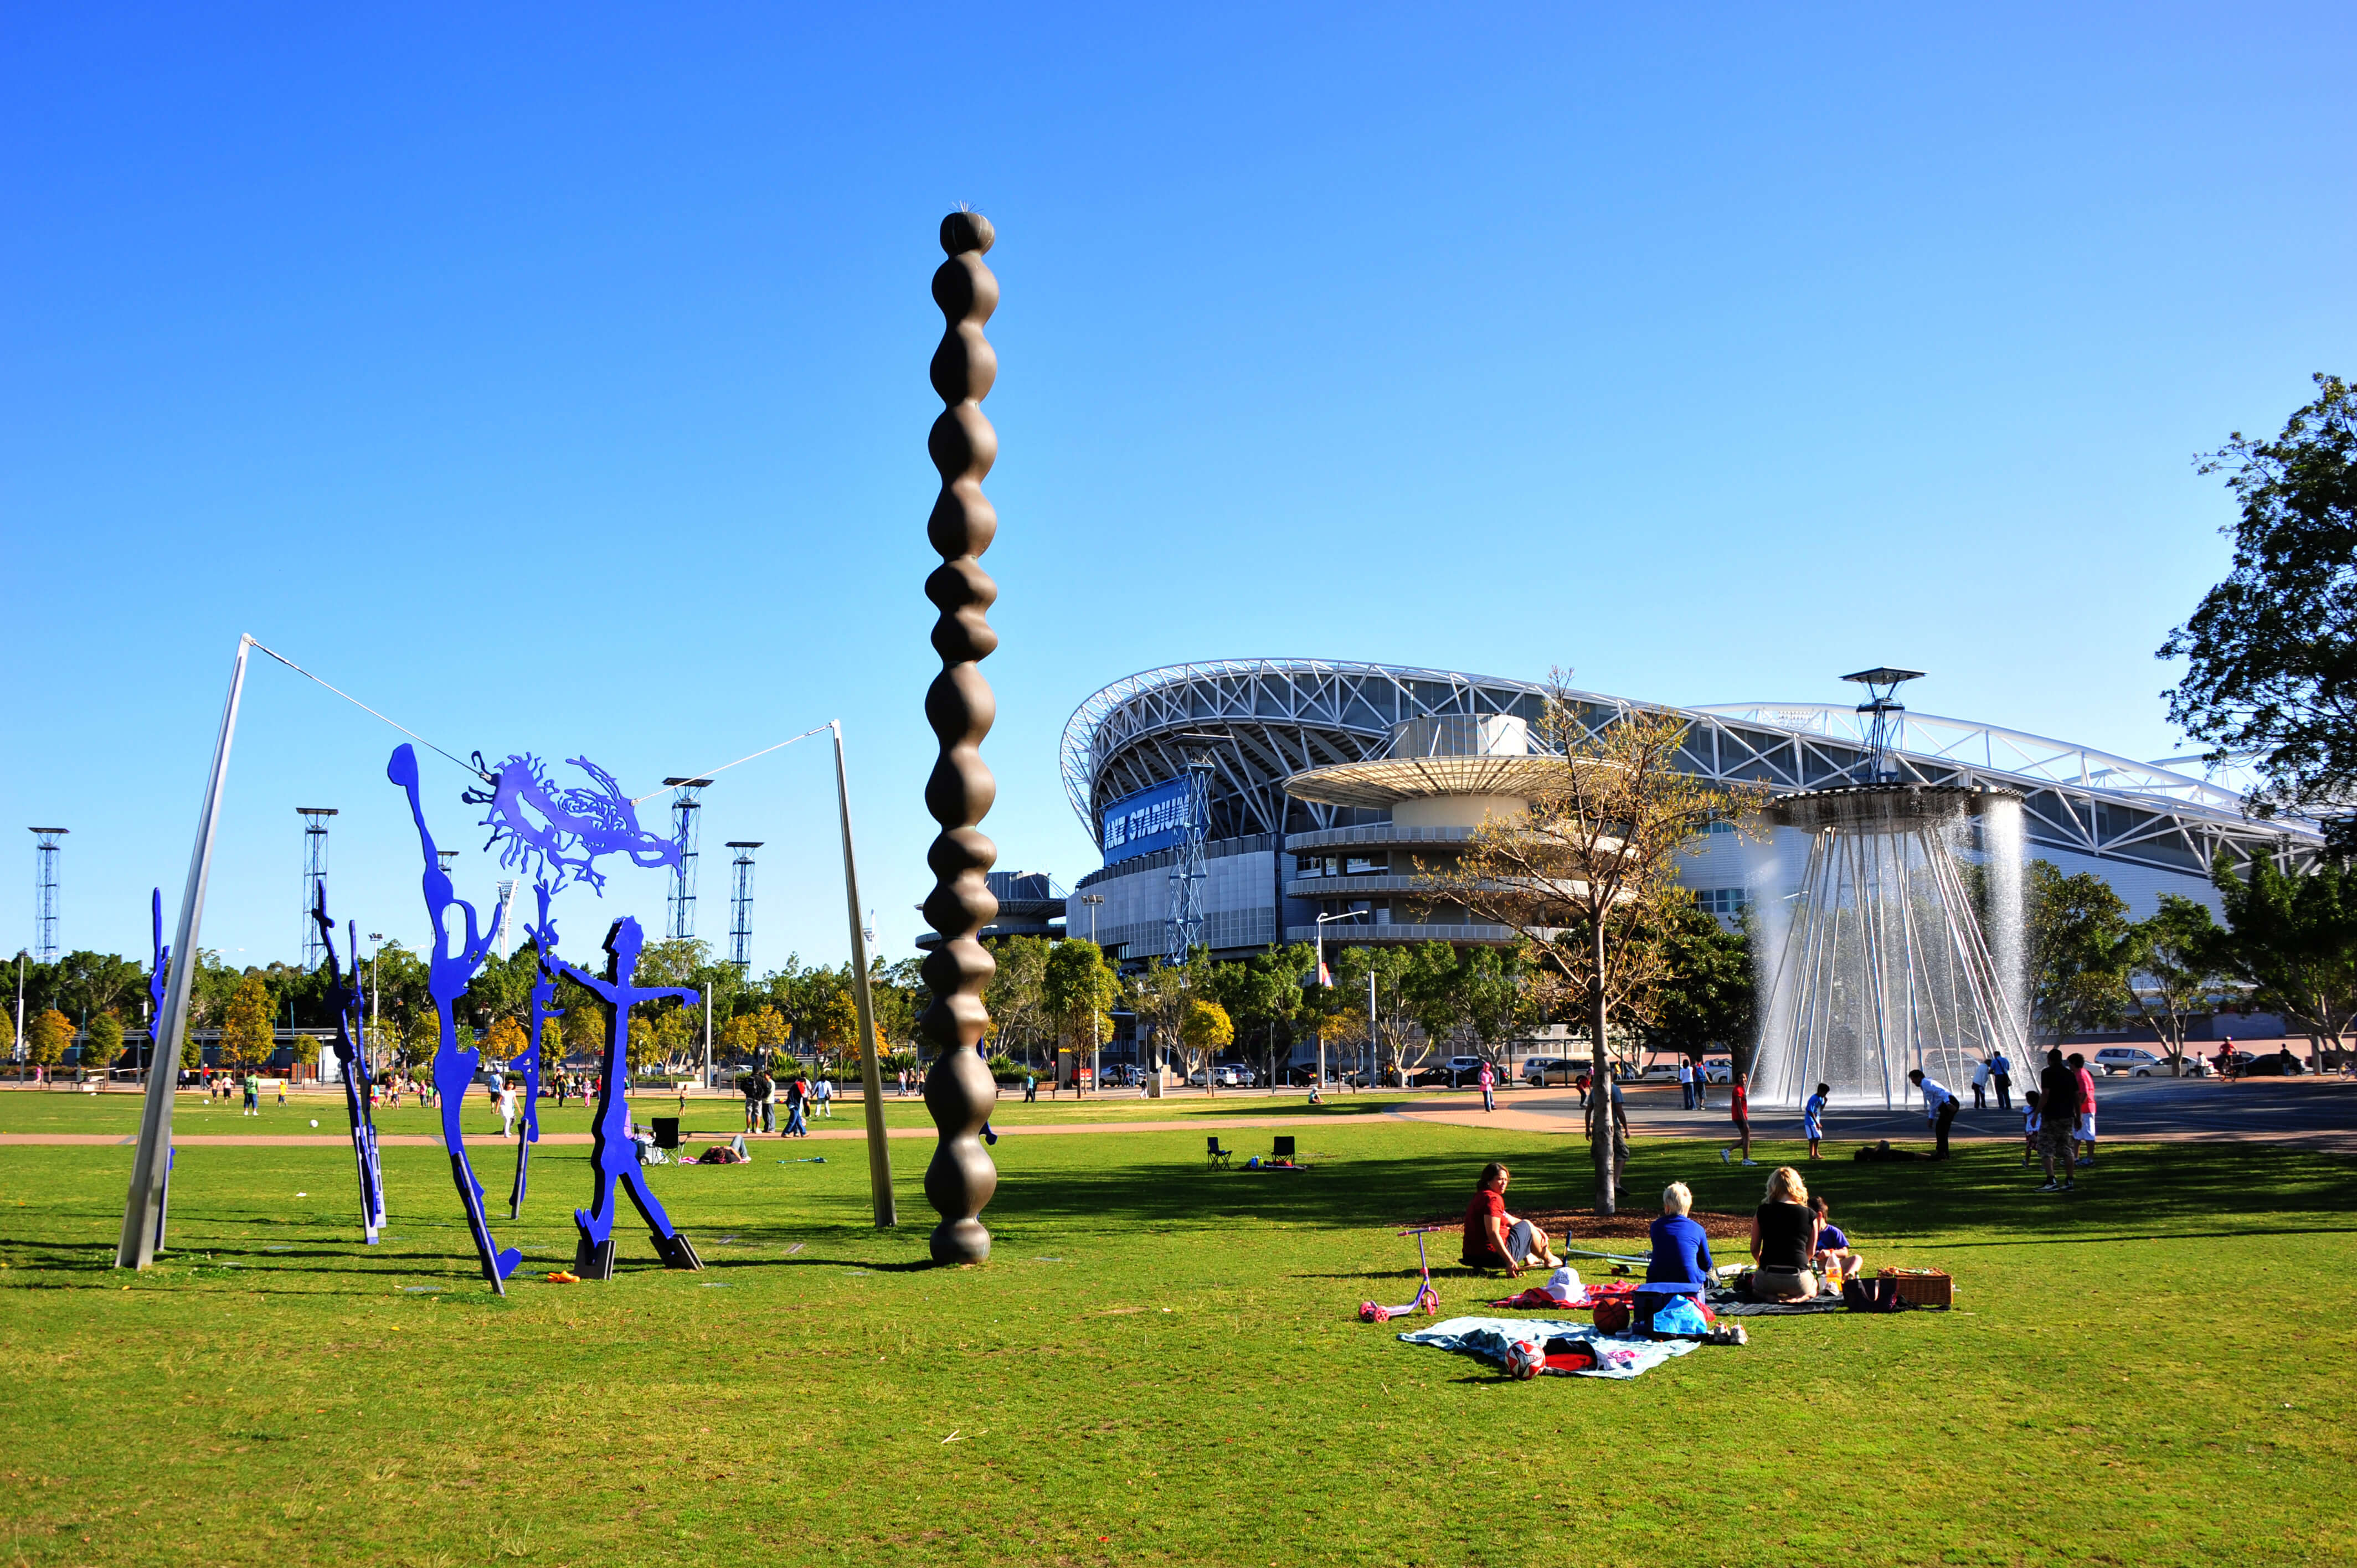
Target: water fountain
[(1874, 958)]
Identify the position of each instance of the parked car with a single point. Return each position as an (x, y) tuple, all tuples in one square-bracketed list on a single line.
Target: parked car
[(1540, 1071), (1714, 1072), (1458, 1072), (2137, 1061), (1226, 1075), (1654, 1072)]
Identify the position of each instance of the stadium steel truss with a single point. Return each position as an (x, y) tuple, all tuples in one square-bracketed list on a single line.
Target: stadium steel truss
[(1276, 718)]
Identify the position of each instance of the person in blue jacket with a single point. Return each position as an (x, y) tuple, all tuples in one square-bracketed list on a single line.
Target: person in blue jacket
[(1681, 1263)]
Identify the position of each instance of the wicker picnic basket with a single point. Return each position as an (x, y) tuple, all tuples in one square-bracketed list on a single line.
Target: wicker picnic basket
[(1924, 1287)]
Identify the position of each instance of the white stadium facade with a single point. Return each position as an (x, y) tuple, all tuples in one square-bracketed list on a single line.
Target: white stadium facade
[(1273, 859)]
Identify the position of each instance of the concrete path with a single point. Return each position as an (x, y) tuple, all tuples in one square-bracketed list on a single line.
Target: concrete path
[(2306, 1113)]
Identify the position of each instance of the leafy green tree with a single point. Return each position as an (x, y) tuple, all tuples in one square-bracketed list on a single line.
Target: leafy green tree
[(2293, 938), (2072, 928), (1077, 988), (1159, 995), (1016, 995), (1264, 995), (247, 1031), (87, 984), (2174, 966), (101, 1046), (552, 1047), (1708, 994), (2272, 650), (504, 1041), (1395, 1003), (7, 1034)]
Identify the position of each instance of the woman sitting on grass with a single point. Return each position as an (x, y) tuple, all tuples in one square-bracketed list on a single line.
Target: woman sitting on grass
[(1681, 1262), (1495, 1238), (1784, 1241)]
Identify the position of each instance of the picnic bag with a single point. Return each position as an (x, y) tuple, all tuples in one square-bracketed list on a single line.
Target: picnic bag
[(1878, 1295)]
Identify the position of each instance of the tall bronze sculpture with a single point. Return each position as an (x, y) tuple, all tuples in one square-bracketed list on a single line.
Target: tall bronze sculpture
[(958, 1088)]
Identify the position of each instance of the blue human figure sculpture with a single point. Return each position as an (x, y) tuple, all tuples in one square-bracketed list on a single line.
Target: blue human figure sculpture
[(544, 992), (345, 1000), (446, 975), (613, 1157)]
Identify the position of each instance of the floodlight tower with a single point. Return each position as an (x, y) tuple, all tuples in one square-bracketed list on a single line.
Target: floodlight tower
[(45, 892), (1885, 724), (445, 857), (686, 809), (1187, 875), (315, 880), (740, 906)]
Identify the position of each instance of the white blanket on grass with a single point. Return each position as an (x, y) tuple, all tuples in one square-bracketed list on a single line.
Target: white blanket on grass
[(1488, 1337)]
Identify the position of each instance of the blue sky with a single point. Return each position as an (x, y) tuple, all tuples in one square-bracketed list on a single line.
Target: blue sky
[(554, 378)]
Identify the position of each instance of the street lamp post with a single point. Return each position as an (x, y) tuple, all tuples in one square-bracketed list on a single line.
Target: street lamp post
[(1345, 915), (1096, 1047), (376, 1001)]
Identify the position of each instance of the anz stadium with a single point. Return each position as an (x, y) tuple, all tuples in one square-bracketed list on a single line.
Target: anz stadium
[(1242, 803)]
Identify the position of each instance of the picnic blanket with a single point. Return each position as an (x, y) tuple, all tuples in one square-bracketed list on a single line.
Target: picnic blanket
[(1486, 1338), (1726, 1303)]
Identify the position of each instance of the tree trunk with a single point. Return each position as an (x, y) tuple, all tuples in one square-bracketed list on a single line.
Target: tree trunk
[(1601, 1139)]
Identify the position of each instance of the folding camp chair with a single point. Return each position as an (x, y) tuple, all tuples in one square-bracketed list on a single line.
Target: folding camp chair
[(1216, 1158), (1284, 1149)]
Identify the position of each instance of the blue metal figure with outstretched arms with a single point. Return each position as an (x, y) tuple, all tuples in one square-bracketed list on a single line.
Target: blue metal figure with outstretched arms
[(613, 1155)]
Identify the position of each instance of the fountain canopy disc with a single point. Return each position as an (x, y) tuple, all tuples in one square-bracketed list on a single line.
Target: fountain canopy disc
[(1882, 808)]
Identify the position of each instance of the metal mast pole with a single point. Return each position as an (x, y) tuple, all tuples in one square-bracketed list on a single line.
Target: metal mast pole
[(151, 1165), (871, 1074)]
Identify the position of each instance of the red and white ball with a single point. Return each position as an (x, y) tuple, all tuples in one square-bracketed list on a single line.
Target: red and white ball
[(1524, 1359)]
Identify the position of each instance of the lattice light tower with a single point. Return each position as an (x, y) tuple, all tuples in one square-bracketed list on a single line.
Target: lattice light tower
[(1187, 874), (740, 905), (314, 880), (45, 892), (686, 813)]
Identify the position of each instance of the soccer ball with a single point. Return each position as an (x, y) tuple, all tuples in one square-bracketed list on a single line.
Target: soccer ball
[(1524, 1359)]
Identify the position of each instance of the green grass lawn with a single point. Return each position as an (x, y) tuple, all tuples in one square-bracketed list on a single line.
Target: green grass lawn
[(1159, 1365), (66, 1109)]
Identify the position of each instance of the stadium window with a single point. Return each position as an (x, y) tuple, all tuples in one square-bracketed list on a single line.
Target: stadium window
[(1360, 864), (1724, 901)]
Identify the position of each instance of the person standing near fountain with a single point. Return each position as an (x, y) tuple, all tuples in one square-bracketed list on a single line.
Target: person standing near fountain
[(1939, 1107), (2058, 1119), (2001, 1074), (1742, 1118)]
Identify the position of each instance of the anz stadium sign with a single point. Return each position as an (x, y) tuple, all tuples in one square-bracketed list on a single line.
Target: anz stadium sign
[(1151, 820)]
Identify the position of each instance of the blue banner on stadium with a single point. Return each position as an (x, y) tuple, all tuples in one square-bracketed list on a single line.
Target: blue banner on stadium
[(1151, 820)]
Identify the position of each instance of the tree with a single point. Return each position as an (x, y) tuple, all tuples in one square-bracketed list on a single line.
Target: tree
[(47, 1038), (1016, 996), (7, 1034), (1264, 995), (552, 1047), (2272, 650), (1204, 1031), (1157, 995), (2293, 938), (1588, 873), (102, 1044), (1077, 988), (1708, 995), (740, 1036), (1393, 1011), (2172, 965), (504, 1041), (2071, 931), (247, 1036), (1434, 990)]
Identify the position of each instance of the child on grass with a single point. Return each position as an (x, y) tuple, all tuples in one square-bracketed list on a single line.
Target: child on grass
[(2029, 1126), (1812, 1119)]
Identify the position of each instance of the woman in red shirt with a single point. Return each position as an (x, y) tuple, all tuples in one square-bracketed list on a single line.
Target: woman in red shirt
[(1495, 1238)]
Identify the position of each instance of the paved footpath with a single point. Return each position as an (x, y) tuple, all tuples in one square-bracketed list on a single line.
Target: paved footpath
[(2303, 1112)]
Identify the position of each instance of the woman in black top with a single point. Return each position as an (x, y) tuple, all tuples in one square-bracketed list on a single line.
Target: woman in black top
[(1784, 1241)]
